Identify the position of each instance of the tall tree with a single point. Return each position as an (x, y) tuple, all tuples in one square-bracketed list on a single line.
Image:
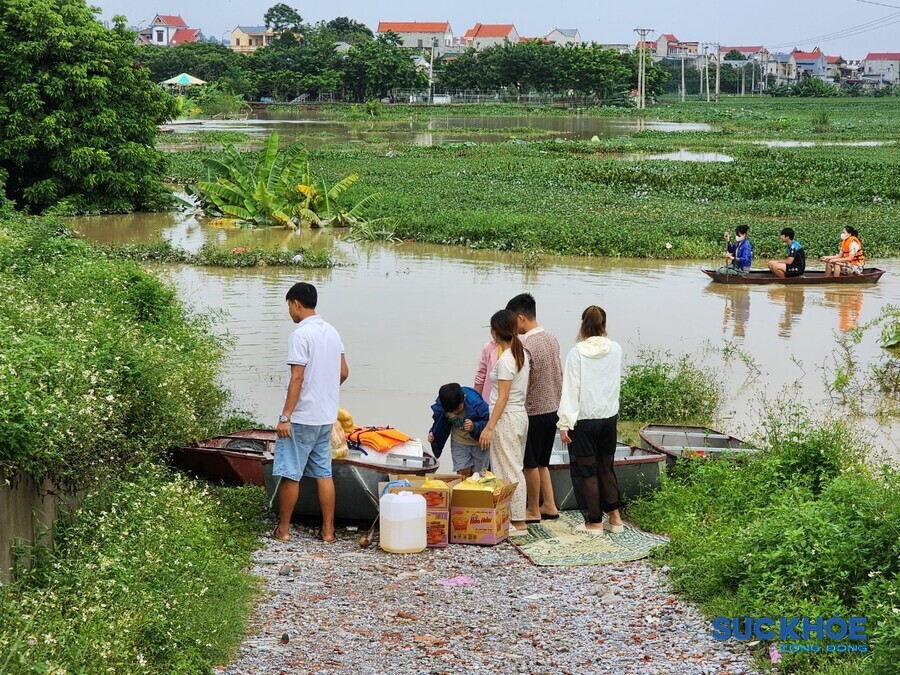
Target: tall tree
[(287, 68), (283, 18), (348, 30), (377, 66), (79, 114)]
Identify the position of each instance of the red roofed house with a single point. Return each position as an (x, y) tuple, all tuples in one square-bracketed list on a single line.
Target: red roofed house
[(419, 34), (488, 34), (168, 31), (811, 64), (883, 67), (752, 53), (667, 46)]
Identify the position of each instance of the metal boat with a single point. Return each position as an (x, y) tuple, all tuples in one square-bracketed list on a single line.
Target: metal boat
[(690, 442)]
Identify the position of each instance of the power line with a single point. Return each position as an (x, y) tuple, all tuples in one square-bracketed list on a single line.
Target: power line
[(875, 24), (869, 2)]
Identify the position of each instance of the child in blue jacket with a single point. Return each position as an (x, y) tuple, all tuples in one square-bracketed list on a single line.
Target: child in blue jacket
[(460, 414)]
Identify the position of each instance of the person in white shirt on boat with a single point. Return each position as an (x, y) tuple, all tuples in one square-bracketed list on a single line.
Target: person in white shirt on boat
[(588, 414)]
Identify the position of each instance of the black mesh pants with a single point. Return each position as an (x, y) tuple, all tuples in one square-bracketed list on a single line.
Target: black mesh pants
[(591, 456)]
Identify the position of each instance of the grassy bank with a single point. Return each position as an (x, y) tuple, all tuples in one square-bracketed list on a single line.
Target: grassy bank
[(211, 255), (102, 369), (145, 578), (805, 530)]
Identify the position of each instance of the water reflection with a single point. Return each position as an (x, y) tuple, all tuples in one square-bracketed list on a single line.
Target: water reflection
[(792, 300), (849, 303)]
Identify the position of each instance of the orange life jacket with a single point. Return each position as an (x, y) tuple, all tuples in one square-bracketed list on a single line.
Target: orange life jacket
[(859, 258), (380, 439)]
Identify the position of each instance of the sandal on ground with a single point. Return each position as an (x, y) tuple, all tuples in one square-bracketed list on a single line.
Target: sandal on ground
[(582, 529), (321, 537), (516, 532), (615, 529), (274, 535), (547, 516)]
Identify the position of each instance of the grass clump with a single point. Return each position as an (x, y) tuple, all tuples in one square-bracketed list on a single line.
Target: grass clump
[(804, 530), (211, 255), (145, 577), (665, 389)]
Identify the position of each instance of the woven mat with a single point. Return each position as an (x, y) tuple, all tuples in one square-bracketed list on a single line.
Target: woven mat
[(552, 542)]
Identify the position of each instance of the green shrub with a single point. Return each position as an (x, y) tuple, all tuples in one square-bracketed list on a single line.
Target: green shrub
[(806, 529), (145, 578), (101, 365), (668, 390)]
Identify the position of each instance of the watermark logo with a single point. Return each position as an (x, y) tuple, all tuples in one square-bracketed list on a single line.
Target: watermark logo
[(797, 634)]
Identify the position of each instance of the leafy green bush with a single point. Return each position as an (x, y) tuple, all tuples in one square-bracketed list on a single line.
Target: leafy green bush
[(211, 255), (144, 578), (101, 367), (668, 390), (804, 530)]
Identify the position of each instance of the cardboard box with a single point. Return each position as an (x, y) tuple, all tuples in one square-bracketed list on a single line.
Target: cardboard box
[(437, 529), (436, 499), (480, 517)]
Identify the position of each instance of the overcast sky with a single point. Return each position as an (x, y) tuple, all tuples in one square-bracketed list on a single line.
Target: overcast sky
[(778, 24)]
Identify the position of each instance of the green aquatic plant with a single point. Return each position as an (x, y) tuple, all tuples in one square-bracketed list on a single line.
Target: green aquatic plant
[(271, 187)]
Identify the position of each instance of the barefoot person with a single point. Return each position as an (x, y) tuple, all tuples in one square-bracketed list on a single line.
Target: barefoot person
[(541, 404), (507, 428), (316, 370), (794, 265), (850, 260), (588, 414)]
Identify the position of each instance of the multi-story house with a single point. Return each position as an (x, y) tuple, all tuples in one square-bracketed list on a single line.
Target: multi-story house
[(811, 64), (247, 39), (419, 34), (783, 67), (881, 67), (168, 31), (563, 36), (483, 35)]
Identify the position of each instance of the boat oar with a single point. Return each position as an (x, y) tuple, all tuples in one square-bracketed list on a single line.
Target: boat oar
[(366, 539)]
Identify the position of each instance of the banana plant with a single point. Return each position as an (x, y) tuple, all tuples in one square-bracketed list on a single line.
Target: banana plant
[(276, 188)]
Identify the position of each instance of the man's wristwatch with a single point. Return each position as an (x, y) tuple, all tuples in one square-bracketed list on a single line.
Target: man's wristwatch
[(283, 419)]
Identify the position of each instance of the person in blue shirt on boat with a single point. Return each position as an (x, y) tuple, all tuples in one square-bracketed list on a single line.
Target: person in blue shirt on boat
[(739, 255), (794, 265), (460, 414)]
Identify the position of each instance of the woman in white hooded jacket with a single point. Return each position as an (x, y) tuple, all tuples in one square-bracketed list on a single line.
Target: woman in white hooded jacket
[(588, 413)]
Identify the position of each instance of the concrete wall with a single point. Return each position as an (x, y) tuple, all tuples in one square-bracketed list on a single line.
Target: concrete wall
[(27, 511)]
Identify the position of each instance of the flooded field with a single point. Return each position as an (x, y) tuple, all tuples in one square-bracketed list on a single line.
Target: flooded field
[(413, 317), (317, 132)]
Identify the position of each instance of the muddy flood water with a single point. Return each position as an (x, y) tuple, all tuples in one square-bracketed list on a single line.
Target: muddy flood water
[(414, 317), (317, 131)]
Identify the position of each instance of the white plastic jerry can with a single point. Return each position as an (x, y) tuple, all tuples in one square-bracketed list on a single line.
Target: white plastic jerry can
[(402, 528)]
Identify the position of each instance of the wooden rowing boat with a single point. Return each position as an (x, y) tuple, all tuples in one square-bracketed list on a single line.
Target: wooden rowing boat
[(688, 442), (235, 458), (870, 275), (356, 479), (637, 471)]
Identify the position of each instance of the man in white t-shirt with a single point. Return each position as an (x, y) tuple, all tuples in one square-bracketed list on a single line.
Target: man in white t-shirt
[(316, 370)]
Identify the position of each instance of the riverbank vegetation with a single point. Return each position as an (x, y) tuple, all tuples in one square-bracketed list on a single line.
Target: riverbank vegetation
[(102, 370), (807, 529), (78, 127), (145, 577)]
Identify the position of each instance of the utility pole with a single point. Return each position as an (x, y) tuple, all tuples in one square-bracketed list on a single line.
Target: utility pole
[(718, 69), (682, 76), (706, 65), (642, 66)]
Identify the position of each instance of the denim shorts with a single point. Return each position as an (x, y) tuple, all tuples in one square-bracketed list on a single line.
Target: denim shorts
[(469, 457), (306, 452)]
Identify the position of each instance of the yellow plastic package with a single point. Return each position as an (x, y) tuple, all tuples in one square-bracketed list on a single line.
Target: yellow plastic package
[(346, 421), (487, 482), (431, 483)]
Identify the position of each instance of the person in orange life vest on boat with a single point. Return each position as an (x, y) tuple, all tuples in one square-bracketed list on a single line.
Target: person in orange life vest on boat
[(460, 414), (794, 265), (739, 255), (850, 260)]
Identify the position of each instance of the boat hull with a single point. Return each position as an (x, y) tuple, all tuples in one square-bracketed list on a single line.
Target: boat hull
[(355, 484), (637, 471), (870, 275), (234, 459), (691, 442)]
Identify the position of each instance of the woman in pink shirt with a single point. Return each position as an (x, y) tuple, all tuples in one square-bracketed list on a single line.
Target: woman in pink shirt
[(489, 355)]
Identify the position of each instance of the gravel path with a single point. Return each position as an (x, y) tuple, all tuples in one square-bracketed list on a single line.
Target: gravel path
[(334, 608)]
